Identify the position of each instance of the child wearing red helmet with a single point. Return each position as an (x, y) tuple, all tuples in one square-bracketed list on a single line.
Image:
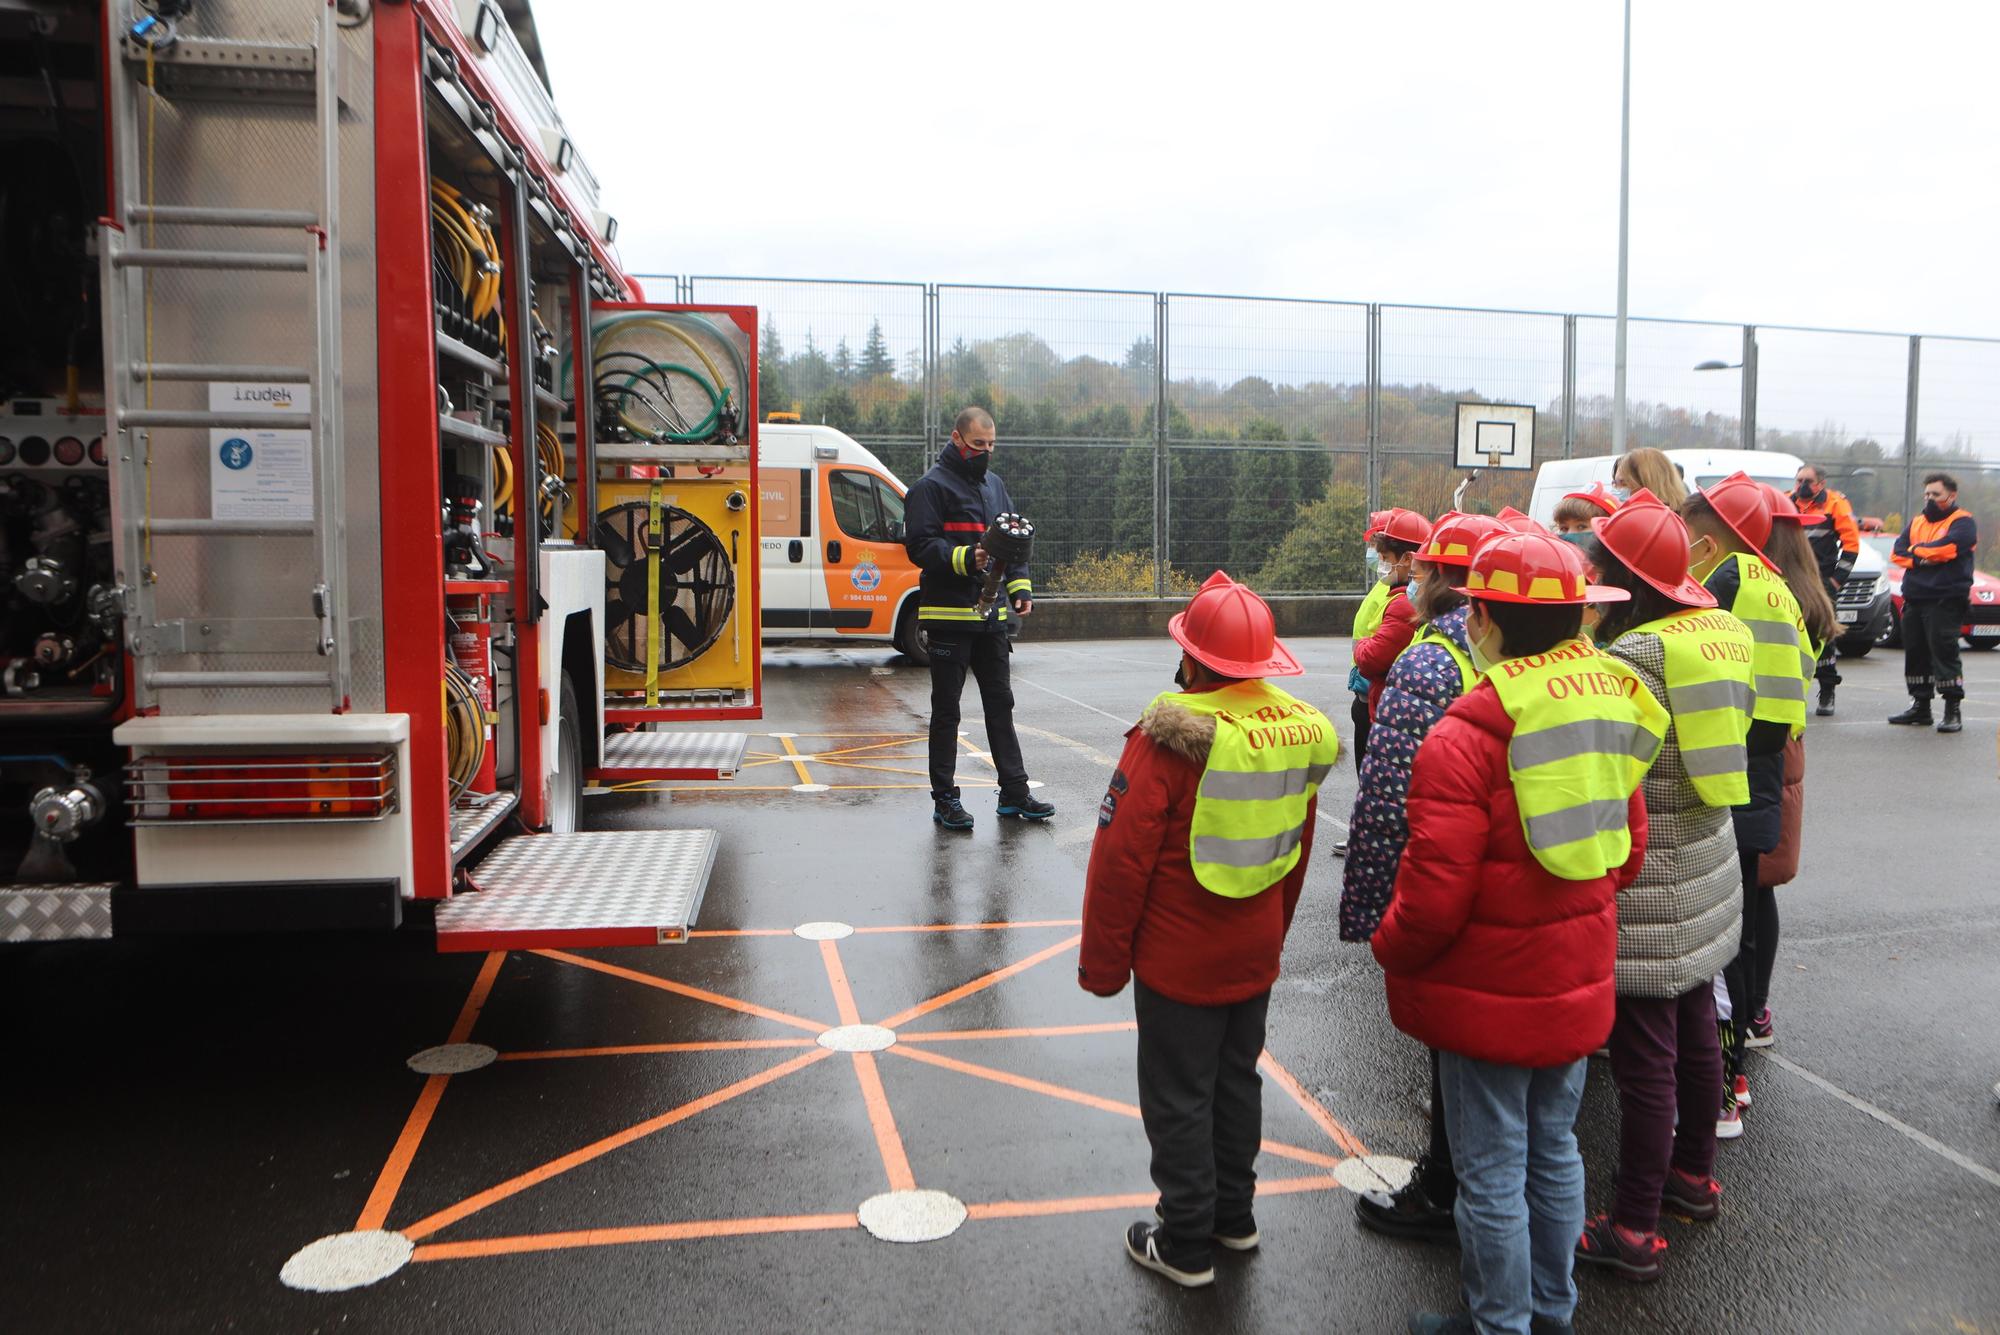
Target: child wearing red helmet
[(1499, 946)]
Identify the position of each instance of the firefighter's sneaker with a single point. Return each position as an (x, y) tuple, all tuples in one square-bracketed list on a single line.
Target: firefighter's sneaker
[(951, 814), (1025, 806), (1691, 1197), (1729, 1121), (1625, 1252), (1918, 714), (1762, 1033), (1151, 1247)]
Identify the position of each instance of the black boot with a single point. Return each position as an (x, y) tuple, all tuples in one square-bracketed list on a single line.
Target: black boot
[(1951, 721), (1918, 712), (1409, 1212), (1825, 709)]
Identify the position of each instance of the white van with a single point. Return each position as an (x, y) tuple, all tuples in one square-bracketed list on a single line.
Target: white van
[(1863, 603), (833, 565)]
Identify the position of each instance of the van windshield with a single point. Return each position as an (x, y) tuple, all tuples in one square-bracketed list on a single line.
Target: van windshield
[(1784, 484)]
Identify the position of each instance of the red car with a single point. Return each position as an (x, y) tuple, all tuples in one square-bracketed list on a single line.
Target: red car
[(1982, 611)]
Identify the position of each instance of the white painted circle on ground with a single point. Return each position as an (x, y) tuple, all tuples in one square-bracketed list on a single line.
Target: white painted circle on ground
[(858, 1038), (781, 734), (1036, 783), (912, 1216), (452, 1059), (1373, 1172), (808, 787), (823, 931), (802, 756), (346, 1261)]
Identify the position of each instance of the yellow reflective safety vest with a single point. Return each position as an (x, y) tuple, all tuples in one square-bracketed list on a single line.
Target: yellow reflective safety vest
[(1368, 616), (1270, 753), (1586, 730), (1765, 604), (1468, 675), (1709, 656)]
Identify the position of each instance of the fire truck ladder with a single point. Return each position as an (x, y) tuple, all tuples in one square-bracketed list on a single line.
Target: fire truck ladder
[(159, 67)]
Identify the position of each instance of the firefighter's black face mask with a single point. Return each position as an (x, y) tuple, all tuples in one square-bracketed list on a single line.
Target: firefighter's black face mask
[(1180, 674)]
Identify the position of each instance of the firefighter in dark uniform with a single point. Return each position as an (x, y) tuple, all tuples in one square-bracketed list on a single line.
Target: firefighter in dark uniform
[(945, 514)]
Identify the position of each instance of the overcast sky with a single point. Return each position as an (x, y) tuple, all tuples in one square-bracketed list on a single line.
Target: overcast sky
[(1792, 163)]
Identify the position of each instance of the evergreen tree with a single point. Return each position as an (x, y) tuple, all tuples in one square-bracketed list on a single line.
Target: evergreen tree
[(810, 373), (773, 392), (843, 363), (875, 358)]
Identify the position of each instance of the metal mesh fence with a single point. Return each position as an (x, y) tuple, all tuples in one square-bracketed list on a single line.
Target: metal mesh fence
[(1154, 438)]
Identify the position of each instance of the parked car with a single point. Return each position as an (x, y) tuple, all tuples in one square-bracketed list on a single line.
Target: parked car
[(1863, 606), (1982, 611)]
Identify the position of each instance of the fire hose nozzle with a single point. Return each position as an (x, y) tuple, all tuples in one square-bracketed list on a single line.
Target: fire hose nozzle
[(1008, 541)]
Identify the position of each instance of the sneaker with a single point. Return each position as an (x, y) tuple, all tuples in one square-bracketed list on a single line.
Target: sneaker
[(1407, 1212), (1340, 849), (1729, 1121), (1761, 1033), (951, 813), (1740, 1087), (1630, 1255), (1691, 1197), (1919, 712), (1149, 1246), (1548, 1325), (1238, 1235), (1825, 709), (1025, 807)]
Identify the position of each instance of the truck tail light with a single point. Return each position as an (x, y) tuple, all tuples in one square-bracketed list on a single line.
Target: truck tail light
[(221, 788)]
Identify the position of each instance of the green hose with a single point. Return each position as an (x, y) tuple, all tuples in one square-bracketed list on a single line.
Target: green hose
[(716, 399)]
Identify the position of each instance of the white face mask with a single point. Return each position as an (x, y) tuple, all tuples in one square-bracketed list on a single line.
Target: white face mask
[(1484, 659)]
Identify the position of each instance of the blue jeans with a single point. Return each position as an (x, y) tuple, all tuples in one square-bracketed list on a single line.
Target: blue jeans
[(1520, 1188)]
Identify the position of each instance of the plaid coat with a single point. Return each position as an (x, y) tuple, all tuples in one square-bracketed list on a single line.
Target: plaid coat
[(1680, 922)]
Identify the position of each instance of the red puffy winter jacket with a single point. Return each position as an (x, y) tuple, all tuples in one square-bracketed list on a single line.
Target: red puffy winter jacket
[(1375, 655), (1143, 910), (1487, 953)]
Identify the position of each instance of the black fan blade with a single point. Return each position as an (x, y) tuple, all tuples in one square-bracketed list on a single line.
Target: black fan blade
[(617, 548)]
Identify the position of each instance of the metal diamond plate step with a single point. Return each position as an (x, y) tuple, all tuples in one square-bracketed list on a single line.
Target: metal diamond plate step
[(637, 756), (474, 817), (70, 911), (593, 888)]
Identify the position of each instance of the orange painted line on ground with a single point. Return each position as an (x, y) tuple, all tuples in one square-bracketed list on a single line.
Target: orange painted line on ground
[(900, 739), (375, 1211), (1067, 1095), (798, 765), (878, 769), (614, 1237), (652, 1049), (973, 926), (1136, 1200), (1288, 1082), (683, 990), (836, 977), (888, 1140), (598, 1148), (981, 983), (1049, 1031)]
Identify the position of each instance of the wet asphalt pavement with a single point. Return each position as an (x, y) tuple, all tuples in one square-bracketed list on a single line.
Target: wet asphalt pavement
[(184, 1117)]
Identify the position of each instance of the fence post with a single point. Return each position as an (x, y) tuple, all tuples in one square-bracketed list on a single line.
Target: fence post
[(1374, 407), (933, 391), (1162, 499), (1910, 428), (1569, 387), (1749, 410)]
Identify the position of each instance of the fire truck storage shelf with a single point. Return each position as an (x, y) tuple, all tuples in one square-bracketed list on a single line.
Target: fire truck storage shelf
[(594, 888), (634, 756)]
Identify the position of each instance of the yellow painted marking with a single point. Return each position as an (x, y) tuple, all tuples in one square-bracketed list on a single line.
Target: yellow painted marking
[(978, 754), (798, 765), (884, 769)]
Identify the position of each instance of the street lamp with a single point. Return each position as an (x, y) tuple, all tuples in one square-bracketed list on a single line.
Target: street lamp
[(1748, 414)]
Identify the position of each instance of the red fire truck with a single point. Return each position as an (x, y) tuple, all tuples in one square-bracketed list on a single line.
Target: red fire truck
[(355, 511)]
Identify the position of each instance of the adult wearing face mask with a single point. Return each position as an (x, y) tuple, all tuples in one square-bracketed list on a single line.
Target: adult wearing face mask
[(1201, 851), (945, 514), (1936, 549), (1836, 544)]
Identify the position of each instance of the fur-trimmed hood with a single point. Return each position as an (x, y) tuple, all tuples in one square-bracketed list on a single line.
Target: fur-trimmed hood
[(1180, 730)]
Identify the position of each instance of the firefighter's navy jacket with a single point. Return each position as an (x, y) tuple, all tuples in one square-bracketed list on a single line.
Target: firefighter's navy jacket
[(1938, 554), (944, 516)]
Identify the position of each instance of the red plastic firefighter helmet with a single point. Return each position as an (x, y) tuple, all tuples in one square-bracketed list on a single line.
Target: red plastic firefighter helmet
[(1228, 629), (1785, 509), (1403, 526), (1456, 537), (1653, 543), (1744, 504), (1519, 522), (1597, 494), (1376, 519), (1533, 568)]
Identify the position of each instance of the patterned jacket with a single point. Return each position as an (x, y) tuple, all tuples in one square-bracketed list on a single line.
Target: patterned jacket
[(1419, 687), (1680, 921)]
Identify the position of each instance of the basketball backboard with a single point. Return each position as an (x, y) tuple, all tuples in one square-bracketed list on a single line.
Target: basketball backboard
[(1496, 435)]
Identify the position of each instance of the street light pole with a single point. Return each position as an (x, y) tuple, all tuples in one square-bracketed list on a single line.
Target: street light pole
[(1624, 237)]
